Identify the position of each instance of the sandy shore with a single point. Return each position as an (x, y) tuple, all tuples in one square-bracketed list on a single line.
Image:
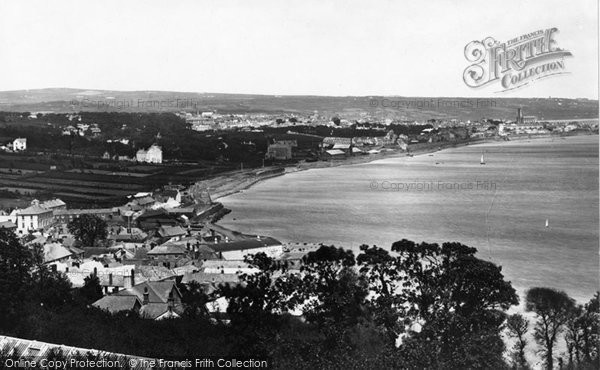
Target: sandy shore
[(234, 182)]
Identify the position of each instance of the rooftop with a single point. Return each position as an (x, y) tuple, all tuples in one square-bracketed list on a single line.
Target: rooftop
[(34, 210), (158, 291), (83, 211), (168, 248), (114, 303), (170, 231), (55, 251), (245, 244), (53, 203), (27, 347)]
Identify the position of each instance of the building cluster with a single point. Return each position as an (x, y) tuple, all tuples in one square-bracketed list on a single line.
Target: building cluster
[(153, 241), (334, 147), (14, 145), (532, 125), (151, 155), (82, 129), (206, 121)]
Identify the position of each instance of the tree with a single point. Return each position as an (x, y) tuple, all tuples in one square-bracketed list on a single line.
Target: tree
[(194, 300), (456, 298), (517, 327), (49, 288), (260, 296), (16, 263), (87, 229), (458, 301), (91, 291), (589, 324), (582, 334), (572, 336), (26, 282), (332, 290), (384, 277), (552, 308)]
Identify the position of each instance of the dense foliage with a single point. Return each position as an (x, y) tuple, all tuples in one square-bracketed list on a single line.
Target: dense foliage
[(88, 229), (416, 306)]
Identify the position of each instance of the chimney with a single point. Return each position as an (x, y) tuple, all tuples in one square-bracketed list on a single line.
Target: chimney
[(146, 299), (110, 279), (95, 272), (129, 280), (171, 300)]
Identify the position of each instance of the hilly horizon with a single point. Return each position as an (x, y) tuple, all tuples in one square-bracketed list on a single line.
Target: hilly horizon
[(65, 100)]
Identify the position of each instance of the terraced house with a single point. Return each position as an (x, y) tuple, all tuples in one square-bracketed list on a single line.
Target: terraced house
[(152, 155), (33, 218)]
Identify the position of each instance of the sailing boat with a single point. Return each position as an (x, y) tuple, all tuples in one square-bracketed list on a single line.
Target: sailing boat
[(547, 223), (482, 159)]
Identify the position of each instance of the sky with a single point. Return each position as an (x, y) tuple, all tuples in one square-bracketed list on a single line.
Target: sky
[(304, 47)]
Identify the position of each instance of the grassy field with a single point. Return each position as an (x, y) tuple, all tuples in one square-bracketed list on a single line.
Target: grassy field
[(22, 179)]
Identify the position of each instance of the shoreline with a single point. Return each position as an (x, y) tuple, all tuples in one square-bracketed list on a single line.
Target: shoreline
[(227, 186), (248, 182)]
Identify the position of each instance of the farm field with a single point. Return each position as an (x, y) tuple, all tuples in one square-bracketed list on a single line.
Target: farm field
[(113, 173), (27, 177)]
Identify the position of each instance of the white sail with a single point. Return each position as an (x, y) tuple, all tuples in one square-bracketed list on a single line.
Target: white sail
[(482, 160), (546, 222)]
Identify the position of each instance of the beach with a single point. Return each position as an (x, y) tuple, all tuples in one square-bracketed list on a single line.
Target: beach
[(233, 182)]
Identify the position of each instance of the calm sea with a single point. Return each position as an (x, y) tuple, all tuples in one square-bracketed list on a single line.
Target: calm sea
[(500, 208)]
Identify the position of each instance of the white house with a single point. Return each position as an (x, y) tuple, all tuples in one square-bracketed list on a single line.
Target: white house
[(33, 218), (152, 155), (19, 143)]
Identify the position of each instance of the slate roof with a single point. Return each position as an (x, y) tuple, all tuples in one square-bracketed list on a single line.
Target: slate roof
[(53, 203), (154, 273), (158, 296), (24, 347), (245, 244), (55, 251), (128, 237), (152, 213), (158, 291), (168, 248), (145, 201), (155, 310), (34, 210), (90, 211), (170, 231), (335, 152), (76, 251), (113, 303), (226, 264), (210, 278)]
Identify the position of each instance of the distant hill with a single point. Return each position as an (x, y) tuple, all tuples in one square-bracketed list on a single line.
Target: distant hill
[(349, 107)]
